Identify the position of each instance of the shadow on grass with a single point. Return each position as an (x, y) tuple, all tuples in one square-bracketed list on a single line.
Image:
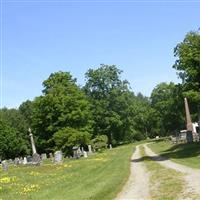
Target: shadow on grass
[(180, 151)]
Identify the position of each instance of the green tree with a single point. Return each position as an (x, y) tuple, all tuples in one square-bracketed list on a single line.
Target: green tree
[(167, 102), (67, 137), (113, 104), (62, 105), (26, 109), (11, 144), (188, 66), (16, 121)]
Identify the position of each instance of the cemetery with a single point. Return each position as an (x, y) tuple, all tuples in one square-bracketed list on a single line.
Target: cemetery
[(99, 100)]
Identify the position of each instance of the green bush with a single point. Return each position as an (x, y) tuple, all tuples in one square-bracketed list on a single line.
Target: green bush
[(100, 142), (68, 137)]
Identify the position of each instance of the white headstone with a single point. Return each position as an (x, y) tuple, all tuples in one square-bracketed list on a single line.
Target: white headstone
[(58, 156), (85, 154), (44, 156), (110, 146), (25, 161), (90, 148), (5, 165)]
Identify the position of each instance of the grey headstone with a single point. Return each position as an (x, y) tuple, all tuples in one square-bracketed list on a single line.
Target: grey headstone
[(58, 156), (89, 149), (10, 161), (21, 160), (79, 152), (36, 159), (51, 157), (75, 152), (44, 156), (5, 165), (16, 161), (29, 159), (110, 146)]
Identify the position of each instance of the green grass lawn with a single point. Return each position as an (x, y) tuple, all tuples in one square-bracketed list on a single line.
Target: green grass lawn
[(186, 154), (101, 176), (165, 184)]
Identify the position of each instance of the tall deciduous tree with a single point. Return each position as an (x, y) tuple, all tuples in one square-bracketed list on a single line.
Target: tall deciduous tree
[(11, 143), (113, 104), (188, 66), (62, 105), (167, 101)]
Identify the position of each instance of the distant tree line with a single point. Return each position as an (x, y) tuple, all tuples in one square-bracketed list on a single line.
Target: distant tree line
[(104, 110)]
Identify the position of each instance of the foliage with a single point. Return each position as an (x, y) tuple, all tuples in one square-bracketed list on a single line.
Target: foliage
[(100, 142), (188, 66), (167, 102), (26, 109), (68, 137), (113, 104), (15, 126), (11, 144), (62, 105)]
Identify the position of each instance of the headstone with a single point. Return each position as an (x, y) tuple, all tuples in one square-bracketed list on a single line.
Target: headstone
[(25, 161), (89, 149), (21, 160), (51, 157), (82, 149), (58, 156), (10, 161), (79, 152), (110, 146), (75, 152), (4, 165), (16, 161), (36, 159), (85, 154), (44, 156), (29, 159)]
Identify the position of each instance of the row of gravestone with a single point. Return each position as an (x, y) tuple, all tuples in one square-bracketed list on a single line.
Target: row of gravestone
[(36, 158)]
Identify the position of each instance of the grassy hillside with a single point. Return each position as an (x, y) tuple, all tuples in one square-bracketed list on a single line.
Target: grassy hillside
[(186, 154), (100, 176)]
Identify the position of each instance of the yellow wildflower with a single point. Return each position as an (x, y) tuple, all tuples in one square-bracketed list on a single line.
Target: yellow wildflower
[(7, 179)]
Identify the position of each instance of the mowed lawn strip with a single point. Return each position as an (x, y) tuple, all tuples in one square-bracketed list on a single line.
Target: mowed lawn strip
[(165, 184), (185, 154), (101, 176)]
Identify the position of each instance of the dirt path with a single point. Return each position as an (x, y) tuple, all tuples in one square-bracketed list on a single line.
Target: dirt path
[(192, 176), (137, 187)]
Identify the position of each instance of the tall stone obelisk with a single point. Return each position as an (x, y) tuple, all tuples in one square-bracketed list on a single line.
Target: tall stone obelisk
[(188, 122), (36, 157), (188, 117), (32, 142)]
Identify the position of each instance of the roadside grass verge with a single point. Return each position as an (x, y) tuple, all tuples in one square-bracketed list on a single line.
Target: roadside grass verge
[(165, 184), (100, 176), (185, 154)]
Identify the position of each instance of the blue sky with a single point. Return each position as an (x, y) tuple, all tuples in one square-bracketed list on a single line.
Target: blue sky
[(40, 37)]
